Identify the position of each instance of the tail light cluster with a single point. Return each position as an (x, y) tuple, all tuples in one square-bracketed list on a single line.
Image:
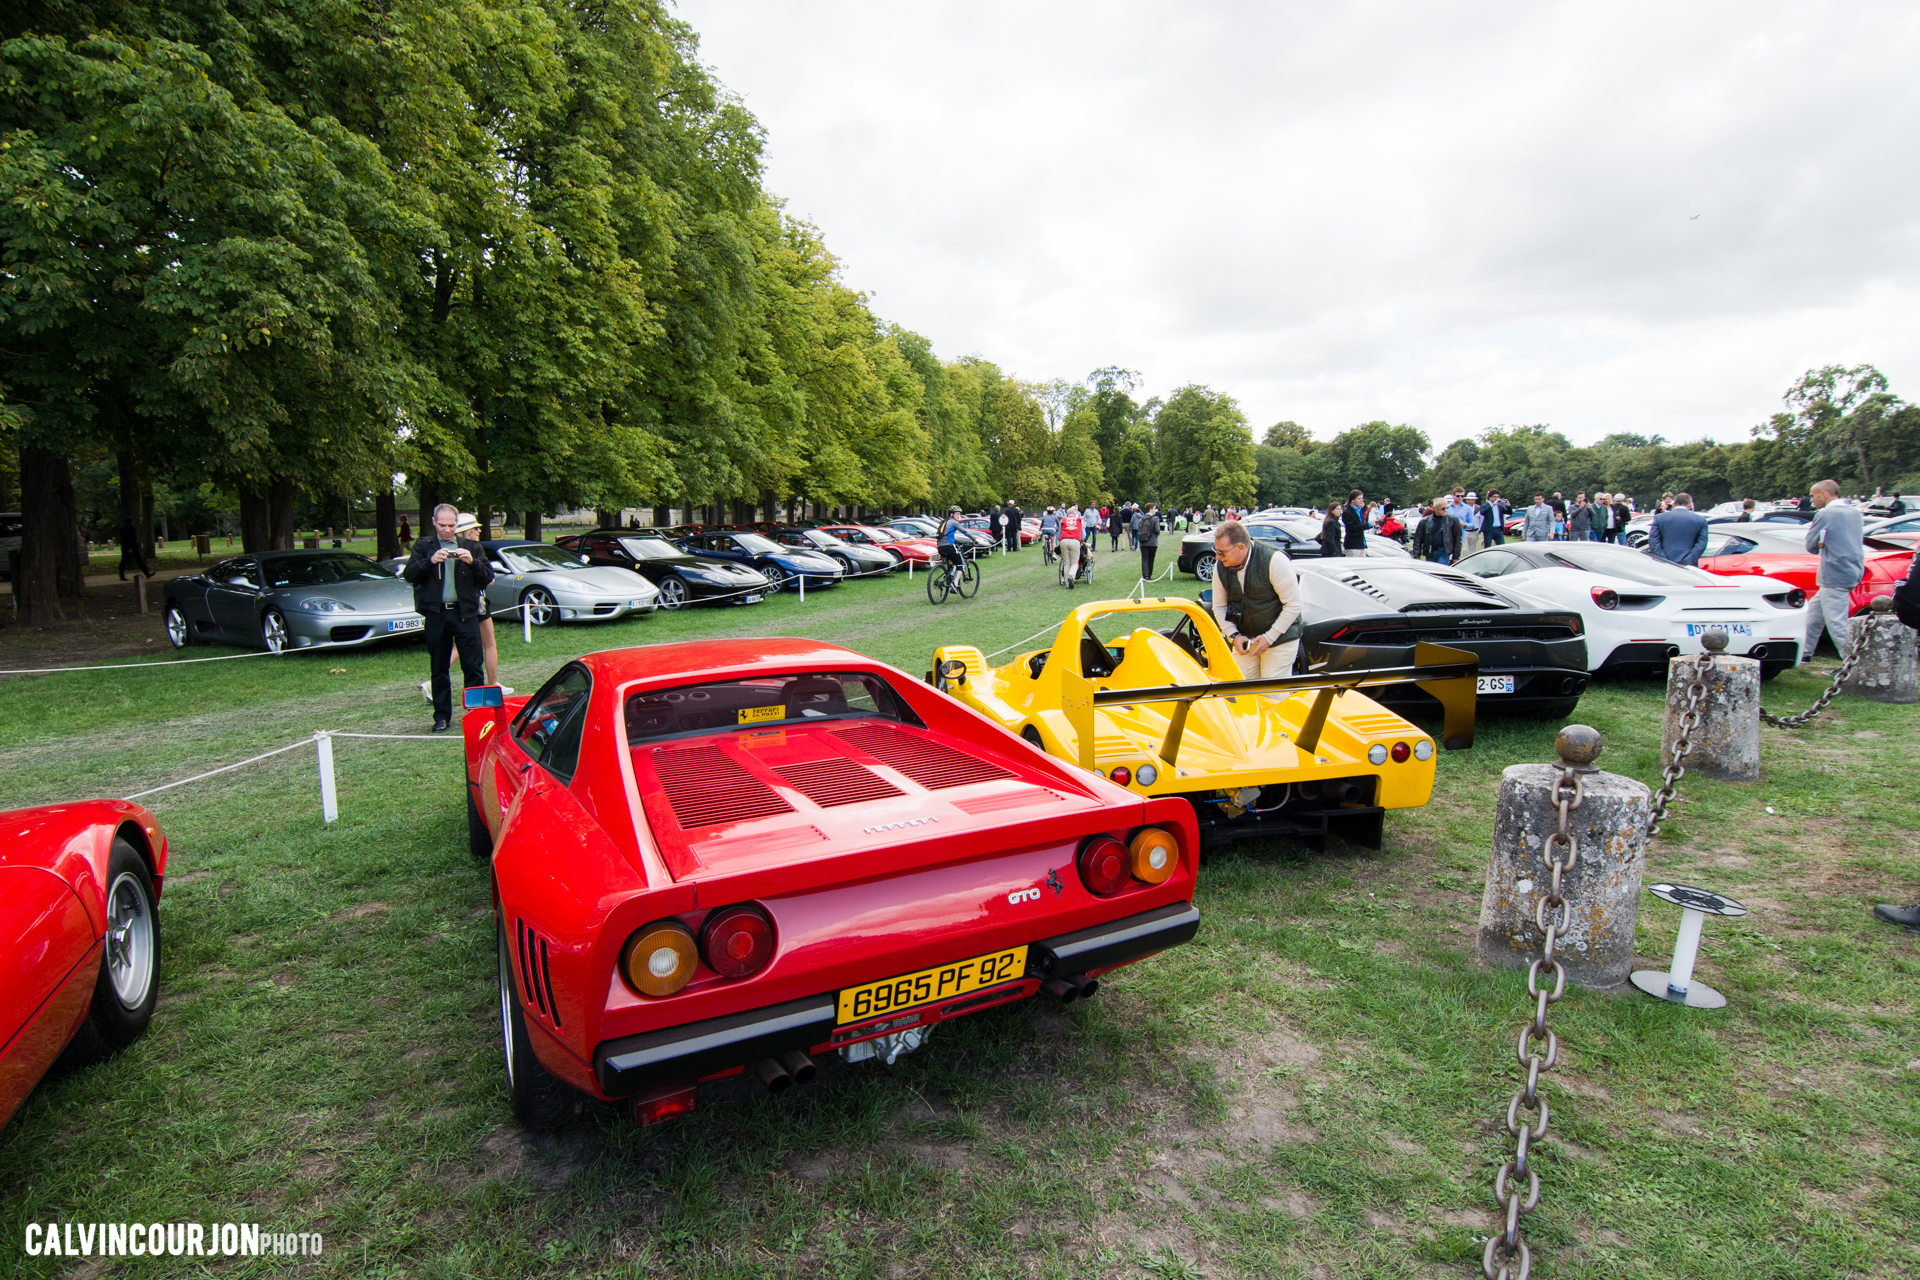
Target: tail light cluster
[(661, 958), (1380, 752), (1606, 597), (1107, 865)]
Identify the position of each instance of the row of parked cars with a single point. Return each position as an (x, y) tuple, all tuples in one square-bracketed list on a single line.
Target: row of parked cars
[(280, 600)]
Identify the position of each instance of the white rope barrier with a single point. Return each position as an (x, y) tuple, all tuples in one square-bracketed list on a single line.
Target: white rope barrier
[(322, 742), (168, 786)]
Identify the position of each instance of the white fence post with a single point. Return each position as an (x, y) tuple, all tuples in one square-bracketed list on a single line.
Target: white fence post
[(801, 578), (329, 802), (526, 623)]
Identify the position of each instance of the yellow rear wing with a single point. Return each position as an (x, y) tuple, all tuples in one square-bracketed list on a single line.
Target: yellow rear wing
[(1449, 674)]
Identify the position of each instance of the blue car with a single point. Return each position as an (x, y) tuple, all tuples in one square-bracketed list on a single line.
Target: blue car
[(783, 567)]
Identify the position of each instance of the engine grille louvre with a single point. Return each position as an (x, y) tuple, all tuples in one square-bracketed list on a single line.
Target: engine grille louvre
[(931, 764), (1470, 583), (1455, 635), (1364, 587), (706, 786), (836, 782), (536, 977), (1443, 606)]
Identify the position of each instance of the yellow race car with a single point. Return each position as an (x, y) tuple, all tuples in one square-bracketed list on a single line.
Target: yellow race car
[(1147, 692)]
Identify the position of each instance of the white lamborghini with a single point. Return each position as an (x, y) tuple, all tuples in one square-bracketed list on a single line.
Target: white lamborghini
[(1639, 611)]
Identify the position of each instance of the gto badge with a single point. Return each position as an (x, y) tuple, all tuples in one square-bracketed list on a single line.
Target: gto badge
[(1019, 896)]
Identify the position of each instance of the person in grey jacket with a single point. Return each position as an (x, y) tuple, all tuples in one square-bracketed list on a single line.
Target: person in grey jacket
[(1580, 520), (1834, 535), (1146, 530), (1678, 535), (1539, 525)]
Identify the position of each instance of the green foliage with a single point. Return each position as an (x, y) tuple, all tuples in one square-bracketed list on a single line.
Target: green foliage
[(1206, 450)]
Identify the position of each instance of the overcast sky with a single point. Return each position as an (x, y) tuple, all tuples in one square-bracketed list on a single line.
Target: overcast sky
[(1604, 216)]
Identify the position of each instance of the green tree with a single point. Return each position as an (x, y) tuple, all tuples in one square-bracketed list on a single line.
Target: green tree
[(1206, 449)]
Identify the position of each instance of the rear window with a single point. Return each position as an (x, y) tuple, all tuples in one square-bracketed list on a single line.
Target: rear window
[(763, 702), (1620, 563)]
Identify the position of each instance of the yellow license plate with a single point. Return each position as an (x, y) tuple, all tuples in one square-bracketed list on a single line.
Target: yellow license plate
[(928, 985)]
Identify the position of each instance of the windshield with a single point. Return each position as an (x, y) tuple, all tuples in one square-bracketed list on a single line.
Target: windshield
[(650, 548), (762, 703), (532, 559), (1630, 565), (820, 539), (323, 570), (755, 543)]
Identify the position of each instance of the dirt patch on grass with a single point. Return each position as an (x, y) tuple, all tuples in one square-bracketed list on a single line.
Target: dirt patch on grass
[(361, 912)]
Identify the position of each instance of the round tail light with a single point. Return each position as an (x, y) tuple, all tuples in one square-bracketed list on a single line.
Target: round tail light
[(1606, 597), (1797, 598), (1105, 864), (1155, 854), (1423, 749), (1147, 775), (1400, 752), (659, 959), (1121, 774), (1377, 753), (737, 942)]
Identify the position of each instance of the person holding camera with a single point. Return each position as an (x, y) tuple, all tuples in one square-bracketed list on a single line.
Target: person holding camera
[(1257, 602), (448, 573)]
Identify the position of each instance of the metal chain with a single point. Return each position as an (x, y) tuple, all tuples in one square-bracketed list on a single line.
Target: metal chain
[(1506, 1256), (1862, 628), (1682, 743)]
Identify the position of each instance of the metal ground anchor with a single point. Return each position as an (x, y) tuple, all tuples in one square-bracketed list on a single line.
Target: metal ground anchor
[(1676, 986)]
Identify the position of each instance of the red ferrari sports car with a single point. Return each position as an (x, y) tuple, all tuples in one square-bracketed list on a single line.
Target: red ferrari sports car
[(79, 934), (738, 855), (1758, 549)]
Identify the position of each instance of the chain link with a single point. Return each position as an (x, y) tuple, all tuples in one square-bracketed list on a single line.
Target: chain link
[(1682, 743), (1507, 1256), (1862, 628)]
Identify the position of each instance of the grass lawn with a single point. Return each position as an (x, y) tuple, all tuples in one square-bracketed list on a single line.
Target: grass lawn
[(1313, 1088)]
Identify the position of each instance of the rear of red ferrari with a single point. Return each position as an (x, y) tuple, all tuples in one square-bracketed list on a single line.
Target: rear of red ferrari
[(800, 855)]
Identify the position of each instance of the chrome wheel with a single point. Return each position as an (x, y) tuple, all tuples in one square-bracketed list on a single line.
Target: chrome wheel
[(1203, 567), (539, 604), (129, 951), (673, 593), (778, 579), (273, 631), (177, 632)]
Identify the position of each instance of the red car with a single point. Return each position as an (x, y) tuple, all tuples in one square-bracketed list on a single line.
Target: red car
[(902, 548), (79, 934), (739, 855), (1759, 549)]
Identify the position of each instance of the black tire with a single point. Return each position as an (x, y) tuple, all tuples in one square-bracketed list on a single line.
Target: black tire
[(1032, 735), (128, 988), (179, 630), (675, 593), (1203, 566), (479, 840), (937, 584), (541, 608), (273, 631), (539, 1100), (969, 583), (778, 579)]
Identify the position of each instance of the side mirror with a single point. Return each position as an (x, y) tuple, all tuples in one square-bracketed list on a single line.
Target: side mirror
[(1206, 597), (954, 670), (482, 696), (583, 560)]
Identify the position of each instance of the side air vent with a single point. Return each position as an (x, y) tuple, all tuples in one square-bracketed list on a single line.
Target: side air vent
[(1364, 587), (835, 782), (536, 977), (933, 765), (706, 786), (1468, 583)]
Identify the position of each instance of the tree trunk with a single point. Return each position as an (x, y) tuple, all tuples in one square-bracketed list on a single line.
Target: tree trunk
[(256, 528), (530, 526), (146, 517), (38, 588), (280, 515), (662, 516), (129, 486), (606, 517), (386, 525), (429, 492), (70, 556)]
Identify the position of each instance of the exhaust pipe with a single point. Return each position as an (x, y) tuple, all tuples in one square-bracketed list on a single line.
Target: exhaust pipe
[(799, 1066), (1758, 651), (773, 1075), (1060, 989), (1343, 792), (1085, 986), (1673, 651)]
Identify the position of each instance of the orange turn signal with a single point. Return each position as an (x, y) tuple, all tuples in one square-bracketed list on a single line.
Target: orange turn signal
[(659, 959), (1155, 854)]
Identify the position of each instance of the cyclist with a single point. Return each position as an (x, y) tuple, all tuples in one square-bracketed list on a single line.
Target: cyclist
[(1073, 529), (949, 537), (1049, 532)]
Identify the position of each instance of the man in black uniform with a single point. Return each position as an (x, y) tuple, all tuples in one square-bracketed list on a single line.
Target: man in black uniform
[(448, 573), (1013, 515)]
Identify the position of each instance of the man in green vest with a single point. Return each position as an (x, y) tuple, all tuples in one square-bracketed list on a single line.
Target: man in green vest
[(1257, 602)]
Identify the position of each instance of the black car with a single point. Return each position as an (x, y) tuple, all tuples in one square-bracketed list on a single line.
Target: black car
[(682, 578), (1297, 537), (1367, 612)]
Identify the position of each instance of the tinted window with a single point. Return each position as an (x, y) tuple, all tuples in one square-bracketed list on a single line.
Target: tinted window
[(323, 569), (10, 526), (1491, 564), (240, 573), (1621, 563), (532, 558), (753, 542), (1728, 544), (544, 729), (650, 548), (763, 702)]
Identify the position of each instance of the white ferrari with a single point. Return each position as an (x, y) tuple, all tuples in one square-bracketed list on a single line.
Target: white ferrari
[(1639, 611)]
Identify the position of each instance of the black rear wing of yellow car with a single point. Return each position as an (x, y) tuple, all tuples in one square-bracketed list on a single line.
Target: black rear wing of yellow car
[(1449, 674)]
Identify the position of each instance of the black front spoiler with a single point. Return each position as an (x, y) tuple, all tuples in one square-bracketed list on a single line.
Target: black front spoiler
[(1357, 824), (686, 1053)]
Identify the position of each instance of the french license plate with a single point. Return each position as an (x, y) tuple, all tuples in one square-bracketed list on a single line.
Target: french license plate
[(1726, 628), (928, 985), (1493, 684), (750, 599), (406, 624)]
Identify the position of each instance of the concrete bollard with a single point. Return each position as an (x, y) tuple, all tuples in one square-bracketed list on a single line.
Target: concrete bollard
[(1725, 739), (1602, 890), (1889, 667)]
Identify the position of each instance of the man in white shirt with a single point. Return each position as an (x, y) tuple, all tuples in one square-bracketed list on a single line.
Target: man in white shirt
[(1257, 602)]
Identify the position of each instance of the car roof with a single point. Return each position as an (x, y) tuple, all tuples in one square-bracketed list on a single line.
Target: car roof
[(721, 659)]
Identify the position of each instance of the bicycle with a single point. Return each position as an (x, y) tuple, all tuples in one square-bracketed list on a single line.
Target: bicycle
[(963, 579), (1048, 552)]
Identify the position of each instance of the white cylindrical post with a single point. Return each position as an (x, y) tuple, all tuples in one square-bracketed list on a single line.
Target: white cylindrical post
[(526, 622), (801, 578), (329, 803), (1686, 949), (909, 568)]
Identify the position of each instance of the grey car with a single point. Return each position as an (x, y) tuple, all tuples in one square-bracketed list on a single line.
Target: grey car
[(559, 585), (281, 600)]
